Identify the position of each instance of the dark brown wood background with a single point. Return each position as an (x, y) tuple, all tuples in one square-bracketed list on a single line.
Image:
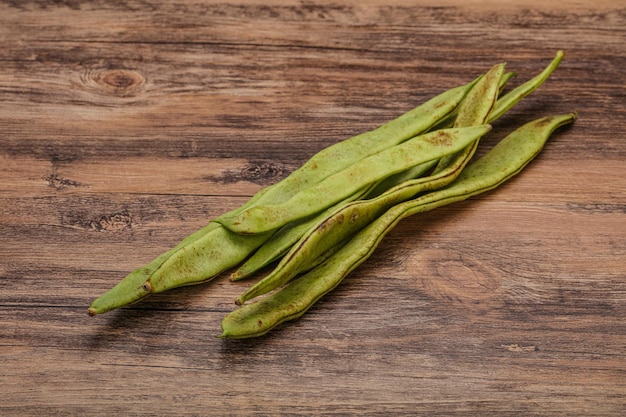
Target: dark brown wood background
[(126, 125)]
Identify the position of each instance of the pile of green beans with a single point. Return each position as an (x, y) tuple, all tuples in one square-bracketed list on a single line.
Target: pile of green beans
[(327, 217)]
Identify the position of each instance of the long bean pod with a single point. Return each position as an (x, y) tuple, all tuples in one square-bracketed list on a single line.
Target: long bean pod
[(343, 154), (423, 148), (505, 102), (505, 160), (131, 288)]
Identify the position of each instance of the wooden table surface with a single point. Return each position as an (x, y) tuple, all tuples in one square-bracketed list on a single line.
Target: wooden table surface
[(127, 125)]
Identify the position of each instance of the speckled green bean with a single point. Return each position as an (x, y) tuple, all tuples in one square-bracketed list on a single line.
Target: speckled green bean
[(423, 148), (343, 154), (131, 288), (505, 160), (504, 103)]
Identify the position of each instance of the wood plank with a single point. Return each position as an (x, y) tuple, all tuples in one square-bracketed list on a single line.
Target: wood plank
[(125, 126)]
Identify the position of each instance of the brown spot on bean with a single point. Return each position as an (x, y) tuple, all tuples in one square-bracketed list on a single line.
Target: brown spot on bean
[(440, 139)]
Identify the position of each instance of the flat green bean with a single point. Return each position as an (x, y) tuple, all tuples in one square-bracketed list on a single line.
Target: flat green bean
[(351, 217), (131, 288), (502, 162), (423, 148), (343, 154), (203, 259)]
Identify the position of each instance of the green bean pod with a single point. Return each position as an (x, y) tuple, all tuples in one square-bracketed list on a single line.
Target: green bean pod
[(505, 160), (423, 148), (504, 103), (131, 288), (343, 154), (350, 218)]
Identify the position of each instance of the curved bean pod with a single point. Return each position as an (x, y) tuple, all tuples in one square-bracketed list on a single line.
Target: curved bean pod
[(351, 217), (131, 288), (505, 160), (504, 103)]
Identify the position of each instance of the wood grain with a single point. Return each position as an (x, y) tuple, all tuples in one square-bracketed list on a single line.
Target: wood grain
[(126, 125)]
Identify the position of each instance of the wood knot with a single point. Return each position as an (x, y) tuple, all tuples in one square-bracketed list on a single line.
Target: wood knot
[(261, 172), (257, 172), (110, 222), (120, 80), (456, 278), (114, 82), (59, 183)]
